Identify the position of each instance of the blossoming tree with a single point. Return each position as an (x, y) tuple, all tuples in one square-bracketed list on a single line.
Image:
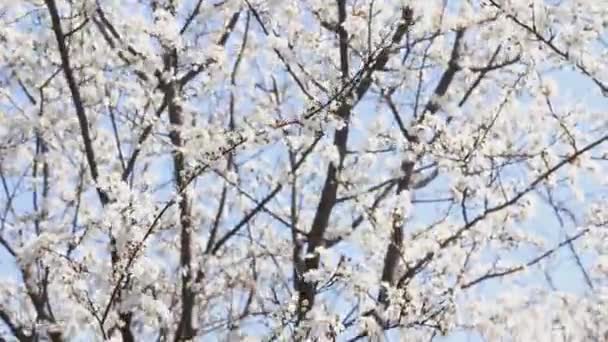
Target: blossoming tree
[(303, 170)]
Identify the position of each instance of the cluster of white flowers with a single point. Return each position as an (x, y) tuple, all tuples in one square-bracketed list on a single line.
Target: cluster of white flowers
[(303, 169)]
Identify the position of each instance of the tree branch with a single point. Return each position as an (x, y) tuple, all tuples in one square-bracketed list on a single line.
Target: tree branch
[(76, 98)]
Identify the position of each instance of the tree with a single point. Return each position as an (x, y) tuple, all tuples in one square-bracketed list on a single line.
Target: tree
[(303, 170)]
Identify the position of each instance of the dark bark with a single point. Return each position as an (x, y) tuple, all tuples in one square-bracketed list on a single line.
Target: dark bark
[(185, 330), (307, 290), (76, 98), (393, 252), (448, 75)]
